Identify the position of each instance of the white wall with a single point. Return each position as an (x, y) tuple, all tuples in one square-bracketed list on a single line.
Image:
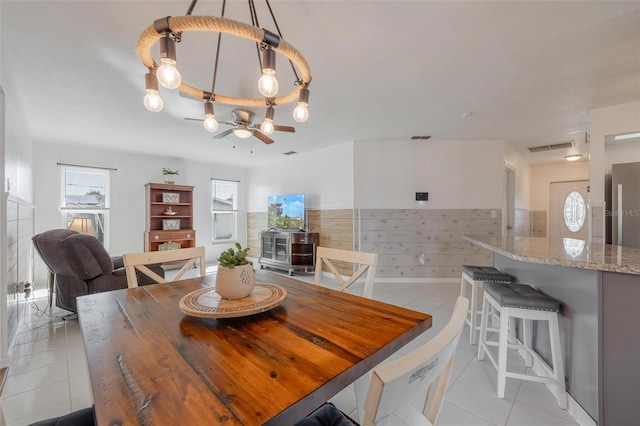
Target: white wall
[(324, 176), (127, 215), (523, 177), (542, 175), (607, 121), (18, 145), (456, 174)]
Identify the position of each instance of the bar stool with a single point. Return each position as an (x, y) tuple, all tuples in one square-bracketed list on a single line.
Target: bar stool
[(521, 301), (475, 276)]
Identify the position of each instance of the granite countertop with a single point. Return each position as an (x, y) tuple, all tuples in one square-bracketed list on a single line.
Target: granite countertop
[(569, 252)]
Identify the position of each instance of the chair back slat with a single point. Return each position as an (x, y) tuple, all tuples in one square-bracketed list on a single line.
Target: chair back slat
[(425, 371), (137, 261), (366, 261)]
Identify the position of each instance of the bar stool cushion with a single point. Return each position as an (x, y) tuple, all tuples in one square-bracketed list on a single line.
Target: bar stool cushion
[(487, 273), (521, 296)]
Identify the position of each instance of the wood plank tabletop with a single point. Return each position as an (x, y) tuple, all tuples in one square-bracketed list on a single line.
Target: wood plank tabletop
[(150, 364)]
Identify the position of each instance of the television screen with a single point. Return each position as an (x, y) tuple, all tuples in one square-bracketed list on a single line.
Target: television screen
[(286, 211)]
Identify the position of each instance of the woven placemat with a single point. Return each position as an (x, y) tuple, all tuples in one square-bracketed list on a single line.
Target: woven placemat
[(206, 303)]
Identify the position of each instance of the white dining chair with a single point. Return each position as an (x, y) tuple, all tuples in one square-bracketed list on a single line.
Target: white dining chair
[(138, 261), (367, 263), (422, 375)]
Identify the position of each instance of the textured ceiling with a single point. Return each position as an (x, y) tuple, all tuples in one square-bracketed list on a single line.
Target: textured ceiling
[(382, 70)]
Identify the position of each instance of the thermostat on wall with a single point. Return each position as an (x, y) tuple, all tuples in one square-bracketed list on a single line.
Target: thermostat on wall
[(422, 196)]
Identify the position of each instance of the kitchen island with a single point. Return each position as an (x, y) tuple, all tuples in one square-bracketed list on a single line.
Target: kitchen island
[(599, 287)]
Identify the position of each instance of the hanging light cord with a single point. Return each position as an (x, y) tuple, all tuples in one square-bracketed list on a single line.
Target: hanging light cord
[(255, 23), (215, 66), (293, 68)]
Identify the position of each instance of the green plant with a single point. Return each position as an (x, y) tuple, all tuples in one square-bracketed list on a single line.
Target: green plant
[(166, 171), (231, 258)]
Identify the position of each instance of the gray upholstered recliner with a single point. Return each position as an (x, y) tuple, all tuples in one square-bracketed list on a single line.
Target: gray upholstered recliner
[(82, 266)]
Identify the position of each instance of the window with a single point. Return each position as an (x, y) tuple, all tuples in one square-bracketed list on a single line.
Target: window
[(574, 211), (224, 209), (85, 203)]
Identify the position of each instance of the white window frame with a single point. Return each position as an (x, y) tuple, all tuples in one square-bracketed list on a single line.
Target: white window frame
[(90, 211), (215, 212)]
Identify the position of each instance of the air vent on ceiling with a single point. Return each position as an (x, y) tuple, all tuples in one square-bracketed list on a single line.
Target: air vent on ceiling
[(420, 137), (541, 148), (290, 152)]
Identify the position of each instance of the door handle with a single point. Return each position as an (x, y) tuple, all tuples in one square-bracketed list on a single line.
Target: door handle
[(620, 215)]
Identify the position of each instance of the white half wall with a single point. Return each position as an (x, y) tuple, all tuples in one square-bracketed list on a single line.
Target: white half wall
[(457, 174), (127, 214), (325, 177)]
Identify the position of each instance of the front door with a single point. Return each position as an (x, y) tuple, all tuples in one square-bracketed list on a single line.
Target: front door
[(568, 215)]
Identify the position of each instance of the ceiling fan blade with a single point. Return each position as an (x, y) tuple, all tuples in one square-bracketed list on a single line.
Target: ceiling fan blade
[(278, 128), (264, 138), (223, 134), (193, 119)]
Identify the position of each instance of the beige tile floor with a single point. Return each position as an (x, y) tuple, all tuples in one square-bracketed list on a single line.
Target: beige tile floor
[(48, 371)]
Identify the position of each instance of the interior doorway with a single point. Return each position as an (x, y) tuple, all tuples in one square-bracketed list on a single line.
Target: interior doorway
[(568, 215), (509, 208)]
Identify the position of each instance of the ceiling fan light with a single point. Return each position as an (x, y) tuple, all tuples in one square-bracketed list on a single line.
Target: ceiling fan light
[(242, 132)]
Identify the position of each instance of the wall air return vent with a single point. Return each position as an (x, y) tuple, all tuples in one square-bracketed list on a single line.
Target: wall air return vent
[(541, 148)]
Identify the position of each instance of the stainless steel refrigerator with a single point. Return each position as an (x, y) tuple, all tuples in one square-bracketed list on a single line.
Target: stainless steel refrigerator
[(624, 206)]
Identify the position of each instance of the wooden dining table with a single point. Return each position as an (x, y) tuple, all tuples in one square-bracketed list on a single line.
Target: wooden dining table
[(150, 364)]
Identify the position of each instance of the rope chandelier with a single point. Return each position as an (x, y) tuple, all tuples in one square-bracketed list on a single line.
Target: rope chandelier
[(169, 31)]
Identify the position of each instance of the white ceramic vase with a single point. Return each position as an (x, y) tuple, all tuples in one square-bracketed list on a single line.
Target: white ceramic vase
[(236, 282)]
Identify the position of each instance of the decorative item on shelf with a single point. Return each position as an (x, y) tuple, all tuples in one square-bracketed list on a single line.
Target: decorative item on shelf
[(169, 175), (235, 277), (168, 31), (170, 197), (170, 224), (169, 245), (170, 212)]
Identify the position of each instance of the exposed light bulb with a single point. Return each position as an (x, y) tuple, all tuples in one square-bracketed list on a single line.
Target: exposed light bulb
[(301, 113), (267, 126), (268, 85), (210, 123), (152, 101), (168, 74)]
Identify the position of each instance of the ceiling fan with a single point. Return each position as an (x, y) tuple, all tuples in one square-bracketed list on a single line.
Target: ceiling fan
[(243, 126)]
